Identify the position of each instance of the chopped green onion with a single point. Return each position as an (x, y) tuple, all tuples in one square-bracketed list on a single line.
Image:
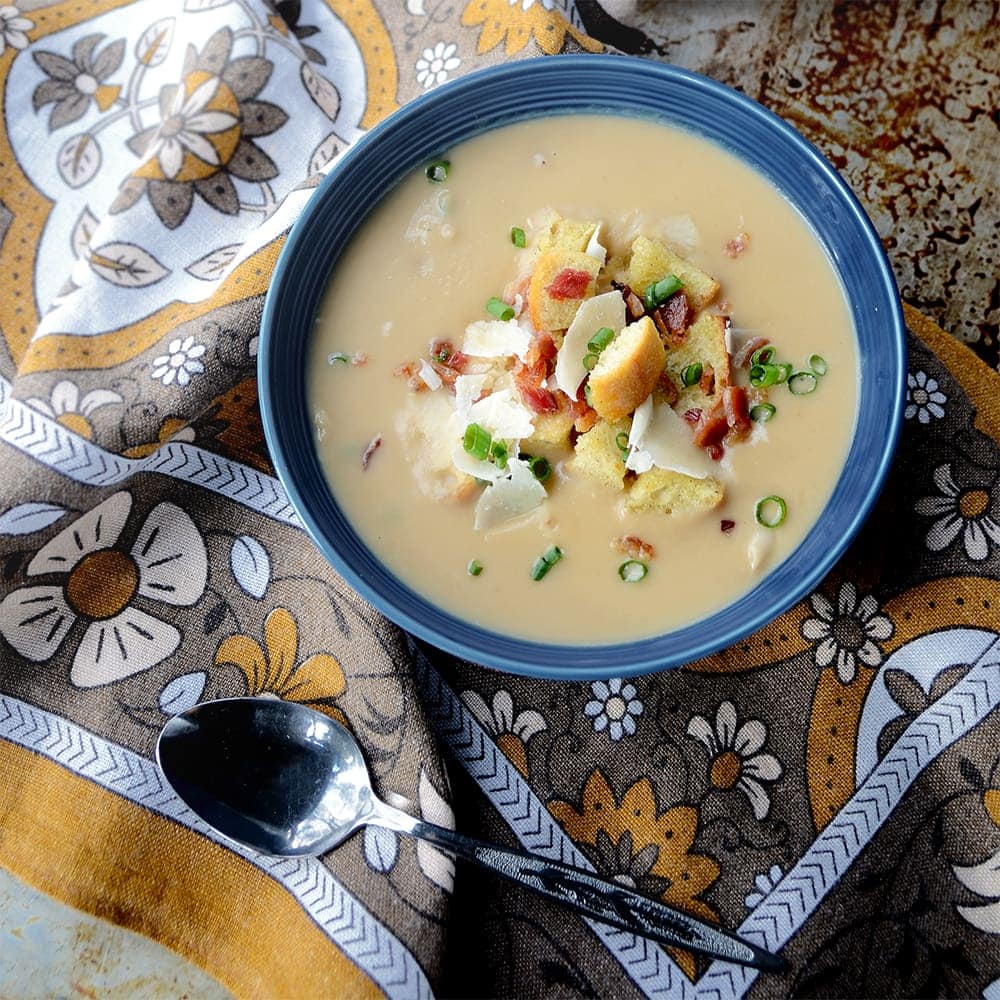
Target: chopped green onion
[(692, 374), (336, 356), (499, 308), (762, 356), (498, 452), (475, 567), (539, 465), (770, 511), (590, 362), (658, 292), (517, 237), (587, 394), (784, 370), (437, 172), (762, 412), (477, 441), (757, 373), (632, 571), (621, 441), (802, 383), (771, 375), (818, 364), (545, 562), (601, 339)]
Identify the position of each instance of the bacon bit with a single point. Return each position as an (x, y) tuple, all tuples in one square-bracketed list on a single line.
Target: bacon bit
[(692, 416), (713, 428), (738, 245), (734, 399), (538, 399), (668, 388), (634, 547), (543, 349), (634, 306), (530, 374), (584, 415), (446, 373), (707, 381), (677, 315), (410, 370), (441, 349), (741, 359), (726, 525), (715, 452), (373, 446), (569, 283), (359, 359), (519, 286), (458, 361)]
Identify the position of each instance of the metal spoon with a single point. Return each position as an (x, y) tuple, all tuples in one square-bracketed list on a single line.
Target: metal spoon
[(285, 780)]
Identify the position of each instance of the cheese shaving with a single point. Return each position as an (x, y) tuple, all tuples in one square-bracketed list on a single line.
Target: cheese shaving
[(503, 416), (759, 547), (660, 437), (516, 494), (476, 467), (430, 377), (600, 311), (493, 338), (594, 247), (468, 388)]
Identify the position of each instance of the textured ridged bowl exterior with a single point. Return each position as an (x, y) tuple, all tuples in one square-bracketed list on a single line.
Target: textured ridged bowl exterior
[(432, 125)]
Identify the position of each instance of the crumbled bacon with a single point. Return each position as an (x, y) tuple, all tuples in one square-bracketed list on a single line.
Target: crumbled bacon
[(373, 446), (673, 317), (634, 547), (441, 349), (634, 306), (538, 399), (734, 399), (446, 373), (359, 359), (712, 428), (692, 416), (707, 381), (668, 388), (726, 525), (569, 283), (737, 245), (457, 360), (715, 452), (410, 370), (584, 416), (531, 373), (741, 359)]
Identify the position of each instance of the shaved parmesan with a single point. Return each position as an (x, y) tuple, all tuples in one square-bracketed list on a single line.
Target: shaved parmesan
[(600, 311), (681, 232), (659, 437), (759, 547), (493, 338), (594, 247), (513, 496), (431, 378), (468, 388), (503, 416), (476, 467)]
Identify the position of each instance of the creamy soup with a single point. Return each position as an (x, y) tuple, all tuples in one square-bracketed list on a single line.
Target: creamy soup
[(421, 269)]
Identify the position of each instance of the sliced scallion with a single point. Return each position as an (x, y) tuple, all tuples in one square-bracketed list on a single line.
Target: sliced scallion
[(600, 340), (621, 442), (802, 383), (757, 375), (498, 452), (657, 292), (475, 567), (477, 441), (335, 356), (590, 362), (762, 356), (587, 394), (818, 364), (499, 308), (517, 237), (762, 412), (437, 172), (632, 570), (692, 374), (770, 511), (784, 371), (545, 562), (540, 467)]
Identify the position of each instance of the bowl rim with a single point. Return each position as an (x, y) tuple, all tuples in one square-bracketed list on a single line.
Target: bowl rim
[(635, 662)]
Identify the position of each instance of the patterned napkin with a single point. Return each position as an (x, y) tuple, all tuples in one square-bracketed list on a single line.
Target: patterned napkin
[(831, 785)]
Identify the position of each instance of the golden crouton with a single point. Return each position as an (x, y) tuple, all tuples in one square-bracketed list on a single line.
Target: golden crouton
[(564, 234), (558, 272), (653, 260), (627, 370), (705, 343), (430, 430), (598, 455), (673, 493), (550, 429)]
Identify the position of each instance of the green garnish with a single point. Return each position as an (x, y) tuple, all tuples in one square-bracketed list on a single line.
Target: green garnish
[(762, 376), (692, 374), (600, 340), (587, 394), (477, 441), (762, 356), (770, 511), (818, 364), (546, 561), (762, 412), (802, 383), (784, 370), (332, 359), (437, 172), (517, 237), (539, 465), (590, 362), (498, 452), (659, 291), (499, 308), (621, 442), (632, 571), (475, 567)]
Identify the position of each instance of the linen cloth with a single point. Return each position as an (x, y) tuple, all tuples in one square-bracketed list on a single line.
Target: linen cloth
[(831, 785)]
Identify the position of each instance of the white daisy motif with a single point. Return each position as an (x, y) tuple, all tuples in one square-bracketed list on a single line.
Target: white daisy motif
[(510, 730), (13, 26), (180, 362), (185, 128), (959, 511), (436, 63), (923, 398), (848, 633), (67, 407), (96, 584), (734, 756), (614, 707), (765, 882)]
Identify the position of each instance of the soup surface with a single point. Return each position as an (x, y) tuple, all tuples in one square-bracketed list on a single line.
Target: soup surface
[(422, 268)]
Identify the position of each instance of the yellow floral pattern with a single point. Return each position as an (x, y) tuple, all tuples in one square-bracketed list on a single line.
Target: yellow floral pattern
[(511, 25)]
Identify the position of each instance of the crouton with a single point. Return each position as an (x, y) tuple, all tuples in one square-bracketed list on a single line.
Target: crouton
[(564, 234), (673, 493), (598, 456), (562, 279), (627, 370), (550, 429), (705, 343), (429, 430), (652, 260)]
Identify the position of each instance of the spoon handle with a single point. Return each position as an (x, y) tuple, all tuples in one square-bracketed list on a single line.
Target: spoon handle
[(588, 894)]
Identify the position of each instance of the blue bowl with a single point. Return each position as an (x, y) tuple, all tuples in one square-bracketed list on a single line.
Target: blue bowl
[(436, 122)]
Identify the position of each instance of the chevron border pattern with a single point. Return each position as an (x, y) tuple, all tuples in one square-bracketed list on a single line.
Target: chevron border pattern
[(652, 970), (75, 457), (336, 912)]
